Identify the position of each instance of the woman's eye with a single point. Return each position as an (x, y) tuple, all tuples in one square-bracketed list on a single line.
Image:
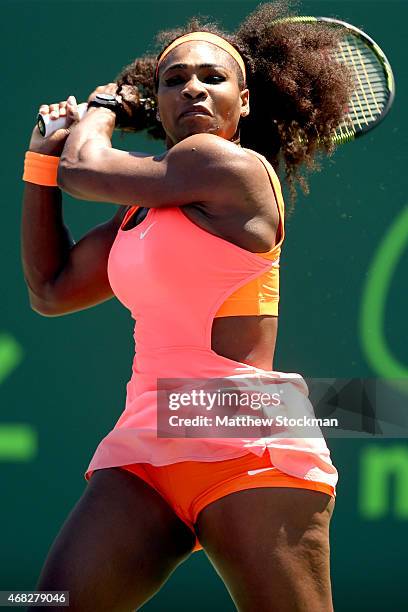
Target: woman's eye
[(214, 78), (211, 78), (176, 80)]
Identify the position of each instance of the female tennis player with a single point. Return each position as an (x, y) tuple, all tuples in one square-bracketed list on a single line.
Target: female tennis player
[(193, 253)]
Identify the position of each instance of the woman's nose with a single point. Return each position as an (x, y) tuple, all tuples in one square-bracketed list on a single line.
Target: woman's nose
[(194, 88)]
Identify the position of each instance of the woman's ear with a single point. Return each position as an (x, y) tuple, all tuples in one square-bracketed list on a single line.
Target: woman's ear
[(244, 102)]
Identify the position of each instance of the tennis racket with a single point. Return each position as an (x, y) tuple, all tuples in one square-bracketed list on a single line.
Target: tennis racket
[(374, 80), (374, 83)]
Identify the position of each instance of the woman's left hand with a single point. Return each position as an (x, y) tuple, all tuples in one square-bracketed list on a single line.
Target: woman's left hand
[(127, 96), (109, 88)]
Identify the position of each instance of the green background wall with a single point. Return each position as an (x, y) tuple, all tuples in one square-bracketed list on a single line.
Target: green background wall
[(62, 380)]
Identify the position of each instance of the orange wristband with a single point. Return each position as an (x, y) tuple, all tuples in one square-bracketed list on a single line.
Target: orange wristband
[(40, 169)]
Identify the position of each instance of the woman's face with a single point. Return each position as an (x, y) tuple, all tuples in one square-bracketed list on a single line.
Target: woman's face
[(199, 92)]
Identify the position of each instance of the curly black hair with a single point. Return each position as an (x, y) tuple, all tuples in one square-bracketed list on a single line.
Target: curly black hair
[(299, 91)]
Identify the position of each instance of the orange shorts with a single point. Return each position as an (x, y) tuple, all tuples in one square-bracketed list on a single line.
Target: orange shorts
[(189, 486)]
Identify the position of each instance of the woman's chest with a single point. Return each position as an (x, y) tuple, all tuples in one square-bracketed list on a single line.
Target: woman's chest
[(254, 237)]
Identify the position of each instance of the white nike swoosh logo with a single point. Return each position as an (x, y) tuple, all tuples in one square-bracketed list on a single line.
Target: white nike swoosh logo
[(252, 472), (143, 234)]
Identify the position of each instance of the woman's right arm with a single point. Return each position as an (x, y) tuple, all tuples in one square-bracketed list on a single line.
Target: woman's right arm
[(62, 276)]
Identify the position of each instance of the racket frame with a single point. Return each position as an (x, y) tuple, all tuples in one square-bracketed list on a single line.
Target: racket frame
[(351, 134)]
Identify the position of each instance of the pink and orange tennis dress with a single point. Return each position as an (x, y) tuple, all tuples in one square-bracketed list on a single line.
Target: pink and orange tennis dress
[(175, 278)]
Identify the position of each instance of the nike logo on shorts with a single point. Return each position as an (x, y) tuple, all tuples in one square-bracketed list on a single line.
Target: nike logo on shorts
[(143, 234), (252, 472)]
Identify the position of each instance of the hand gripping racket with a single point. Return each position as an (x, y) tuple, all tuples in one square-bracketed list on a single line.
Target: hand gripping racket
[(374, 80), (47, 126)]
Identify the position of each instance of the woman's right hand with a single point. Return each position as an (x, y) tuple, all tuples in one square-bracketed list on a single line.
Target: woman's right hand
[(54, 143)]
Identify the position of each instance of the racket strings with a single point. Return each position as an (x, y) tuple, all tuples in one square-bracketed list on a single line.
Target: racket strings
[(373, 78), (371, 91)]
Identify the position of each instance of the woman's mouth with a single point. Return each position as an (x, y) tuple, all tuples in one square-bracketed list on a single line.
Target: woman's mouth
[(195, 111)]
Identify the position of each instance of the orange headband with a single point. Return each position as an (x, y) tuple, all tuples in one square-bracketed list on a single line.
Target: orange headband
[(214, 39)]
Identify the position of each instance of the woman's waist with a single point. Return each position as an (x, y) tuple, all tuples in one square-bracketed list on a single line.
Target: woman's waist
[(176, 361), (154, 367), (183, 358)]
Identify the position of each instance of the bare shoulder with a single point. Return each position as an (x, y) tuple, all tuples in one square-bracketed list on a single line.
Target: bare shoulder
[(246, 211), (231, 170), (211, 148)]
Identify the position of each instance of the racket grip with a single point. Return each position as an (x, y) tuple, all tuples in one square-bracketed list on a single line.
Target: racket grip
[(47, 126)]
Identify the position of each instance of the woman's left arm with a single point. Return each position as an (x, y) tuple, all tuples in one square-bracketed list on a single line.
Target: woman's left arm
[(201, 168), (83, 153)]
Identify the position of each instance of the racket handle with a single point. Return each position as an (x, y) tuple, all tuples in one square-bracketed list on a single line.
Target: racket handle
[(47, 126)]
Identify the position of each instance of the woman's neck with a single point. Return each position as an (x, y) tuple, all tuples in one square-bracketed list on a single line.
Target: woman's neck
[(236, 139)]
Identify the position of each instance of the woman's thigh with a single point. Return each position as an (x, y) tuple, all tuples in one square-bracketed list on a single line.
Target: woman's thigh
[(271, 548), (117, 547)]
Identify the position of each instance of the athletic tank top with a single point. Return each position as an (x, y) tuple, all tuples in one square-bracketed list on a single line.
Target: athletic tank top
[(259, 296), (174, 276)]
